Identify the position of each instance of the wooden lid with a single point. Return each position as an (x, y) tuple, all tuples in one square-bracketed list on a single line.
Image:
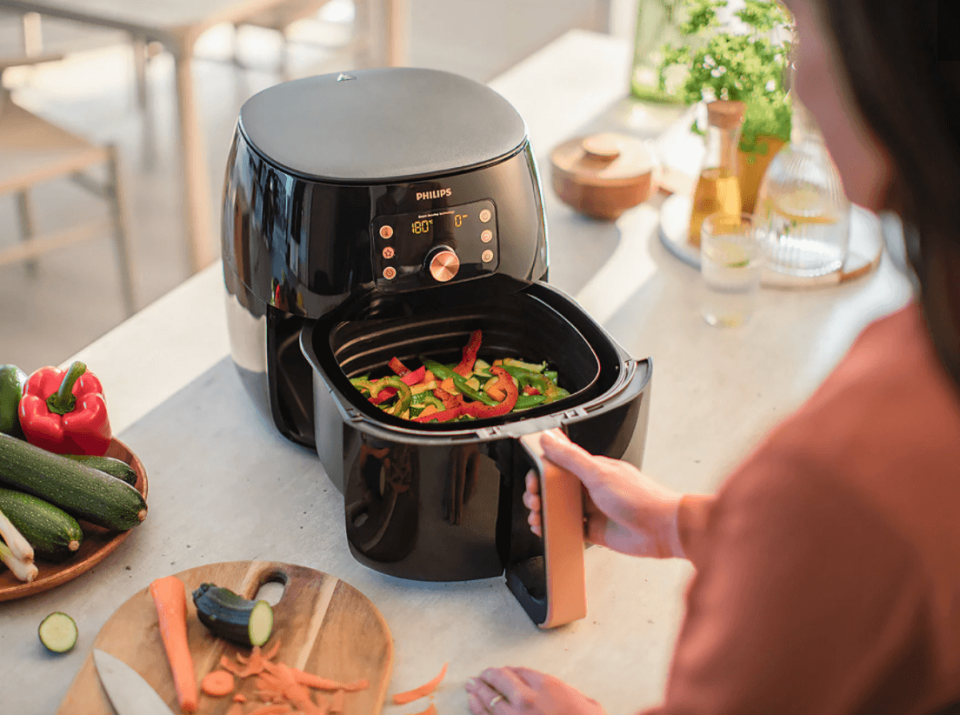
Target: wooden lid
[(603, 160), (612, 169), (725, 113)]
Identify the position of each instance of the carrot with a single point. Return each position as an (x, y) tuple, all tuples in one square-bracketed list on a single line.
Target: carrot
[(307, 707), (425, 689), (323, 707), (268, 655), (239, 698), (271, 710), (290, 688), (431, 710), (337, 705), (217, 683), (169, 596), (319, 683), (268, 695), (356, 685), (254, 665), (229, 666)]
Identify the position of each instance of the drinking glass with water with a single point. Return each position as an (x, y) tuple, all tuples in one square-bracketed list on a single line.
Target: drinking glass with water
[(731, 262)]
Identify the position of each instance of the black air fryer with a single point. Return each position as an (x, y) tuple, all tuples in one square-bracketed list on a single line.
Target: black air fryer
[(389, 213)]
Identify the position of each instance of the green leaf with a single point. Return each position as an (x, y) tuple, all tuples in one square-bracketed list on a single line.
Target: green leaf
[(743, 67)]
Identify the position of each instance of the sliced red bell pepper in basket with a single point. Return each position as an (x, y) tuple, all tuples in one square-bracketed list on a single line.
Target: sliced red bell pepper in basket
[(64, 411), (398, 367), (470, 351), (443, 416), (448, 399), (505, 383)]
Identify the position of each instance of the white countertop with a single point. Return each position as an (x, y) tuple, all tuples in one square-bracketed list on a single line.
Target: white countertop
[(224, 485)]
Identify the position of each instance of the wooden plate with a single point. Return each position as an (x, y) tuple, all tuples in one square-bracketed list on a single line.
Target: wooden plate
[(323, 625), (98, 543)]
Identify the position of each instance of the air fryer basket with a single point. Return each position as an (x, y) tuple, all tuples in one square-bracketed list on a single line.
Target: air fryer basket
[(517, 326)]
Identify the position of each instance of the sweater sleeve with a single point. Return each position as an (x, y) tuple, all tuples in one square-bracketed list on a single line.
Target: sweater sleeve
[(805, 600)]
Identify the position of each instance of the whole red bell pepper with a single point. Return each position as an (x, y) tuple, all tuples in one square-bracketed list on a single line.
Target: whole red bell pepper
[(64, 411)]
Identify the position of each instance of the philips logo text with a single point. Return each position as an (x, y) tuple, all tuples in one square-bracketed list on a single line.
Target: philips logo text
[(438, 194)]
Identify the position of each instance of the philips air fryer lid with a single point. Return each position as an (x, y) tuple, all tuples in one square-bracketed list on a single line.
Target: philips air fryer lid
[(381, 125)]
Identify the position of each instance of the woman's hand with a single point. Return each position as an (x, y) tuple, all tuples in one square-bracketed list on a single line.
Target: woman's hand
[(624, 509), (521, 691)]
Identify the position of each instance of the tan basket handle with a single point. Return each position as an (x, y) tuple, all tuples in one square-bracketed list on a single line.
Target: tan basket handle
[(562, 518)]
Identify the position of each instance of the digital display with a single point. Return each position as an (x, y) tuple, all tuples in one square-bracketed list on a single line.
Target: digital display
[(425, 225), (404, 243)]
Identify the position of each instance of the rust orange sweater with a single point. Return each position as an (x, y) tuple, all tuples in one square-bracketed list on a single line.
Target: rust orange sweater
[(828, 566)]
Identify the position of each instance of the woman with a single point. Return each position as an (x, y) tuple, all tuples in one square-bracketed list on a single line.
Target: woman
[(828, 565)]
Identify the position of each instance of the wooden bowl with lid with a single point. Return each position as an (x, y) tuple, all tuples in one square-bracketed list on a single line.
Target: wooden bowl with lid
[(602, 175)]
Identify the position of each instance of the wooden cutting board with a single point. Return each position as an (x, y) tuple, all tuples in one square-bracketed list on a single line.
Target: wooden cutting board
[(325, 627)]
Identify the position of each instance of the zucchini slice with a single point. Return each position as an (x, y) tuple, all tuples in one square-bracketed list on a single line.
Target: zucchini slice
[(58, 632), (232, 617)]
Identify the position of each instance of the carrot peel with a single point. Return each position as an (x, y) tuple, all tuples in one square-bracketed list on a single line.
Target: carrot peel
[(410, 695), (170, 598)]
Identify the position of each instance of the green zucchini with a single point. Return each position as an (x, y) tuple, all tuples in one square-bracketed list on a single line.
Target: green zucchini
[(12, 380), (58, 632), (83, 492), (51, 532), (114, 467), (233, 617)]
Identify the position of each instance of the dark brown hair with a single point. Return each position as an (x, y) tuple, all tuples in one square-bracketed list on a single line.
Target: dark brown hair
[(910, 98)]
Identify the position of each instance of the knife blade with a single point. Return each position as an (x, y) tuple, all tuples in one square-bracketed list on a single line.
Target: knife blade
[(129, 693)]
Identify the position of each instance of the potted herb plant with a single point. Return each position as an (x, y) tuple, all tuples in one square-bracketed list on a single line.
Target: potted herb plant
[(749, 65)]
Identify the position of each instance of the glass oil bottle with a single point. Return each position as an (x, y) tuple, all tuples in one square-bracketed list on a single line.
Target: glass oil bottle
[(718, 188)]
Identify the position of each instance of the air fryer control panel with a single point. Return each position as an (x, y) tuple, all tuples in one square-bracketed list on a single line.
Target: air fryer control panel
[(435, 246)]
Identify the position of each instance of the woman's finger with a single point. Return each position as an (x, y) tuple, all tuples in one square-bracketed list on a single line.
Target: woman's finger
[(511, 686), (487, 696), (531, 501), (476, 707), (532, 482), (571, 457)]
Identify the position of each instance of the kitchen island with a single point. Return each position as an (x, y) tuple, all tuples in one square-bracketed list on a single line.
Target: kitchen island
[(224, 485)]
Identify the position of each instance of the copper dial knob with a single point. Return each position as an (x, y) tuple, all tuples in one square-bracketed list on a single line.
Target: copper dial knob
[(444, 265)]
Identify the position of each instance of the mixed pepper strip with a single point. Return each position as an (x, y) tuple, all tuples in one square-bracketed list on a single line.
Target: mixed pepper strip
[(470, 351), (437, 393), (63, 411)]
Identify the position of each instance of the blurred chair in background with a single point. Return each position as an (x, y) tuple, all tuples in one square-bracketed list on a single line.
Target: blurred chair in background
[(32, 151)]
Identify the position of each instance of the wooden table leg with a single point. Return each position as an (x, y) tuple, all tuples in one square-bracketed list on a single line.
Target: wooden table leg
[(398, 32), (198, 221)]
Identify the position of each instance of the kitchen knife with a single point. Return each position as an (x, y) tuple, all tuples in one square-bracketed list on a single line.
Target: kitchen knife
[(129, 693)]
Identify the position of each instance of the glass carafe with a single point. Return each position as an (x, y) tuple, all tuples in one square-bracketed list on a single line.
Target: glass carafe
[(718, 188), (802, 207)]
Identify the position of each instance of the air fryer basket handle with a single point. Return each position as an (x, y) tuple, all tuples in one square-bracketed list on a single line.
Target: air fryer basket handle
[(562, 519)]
